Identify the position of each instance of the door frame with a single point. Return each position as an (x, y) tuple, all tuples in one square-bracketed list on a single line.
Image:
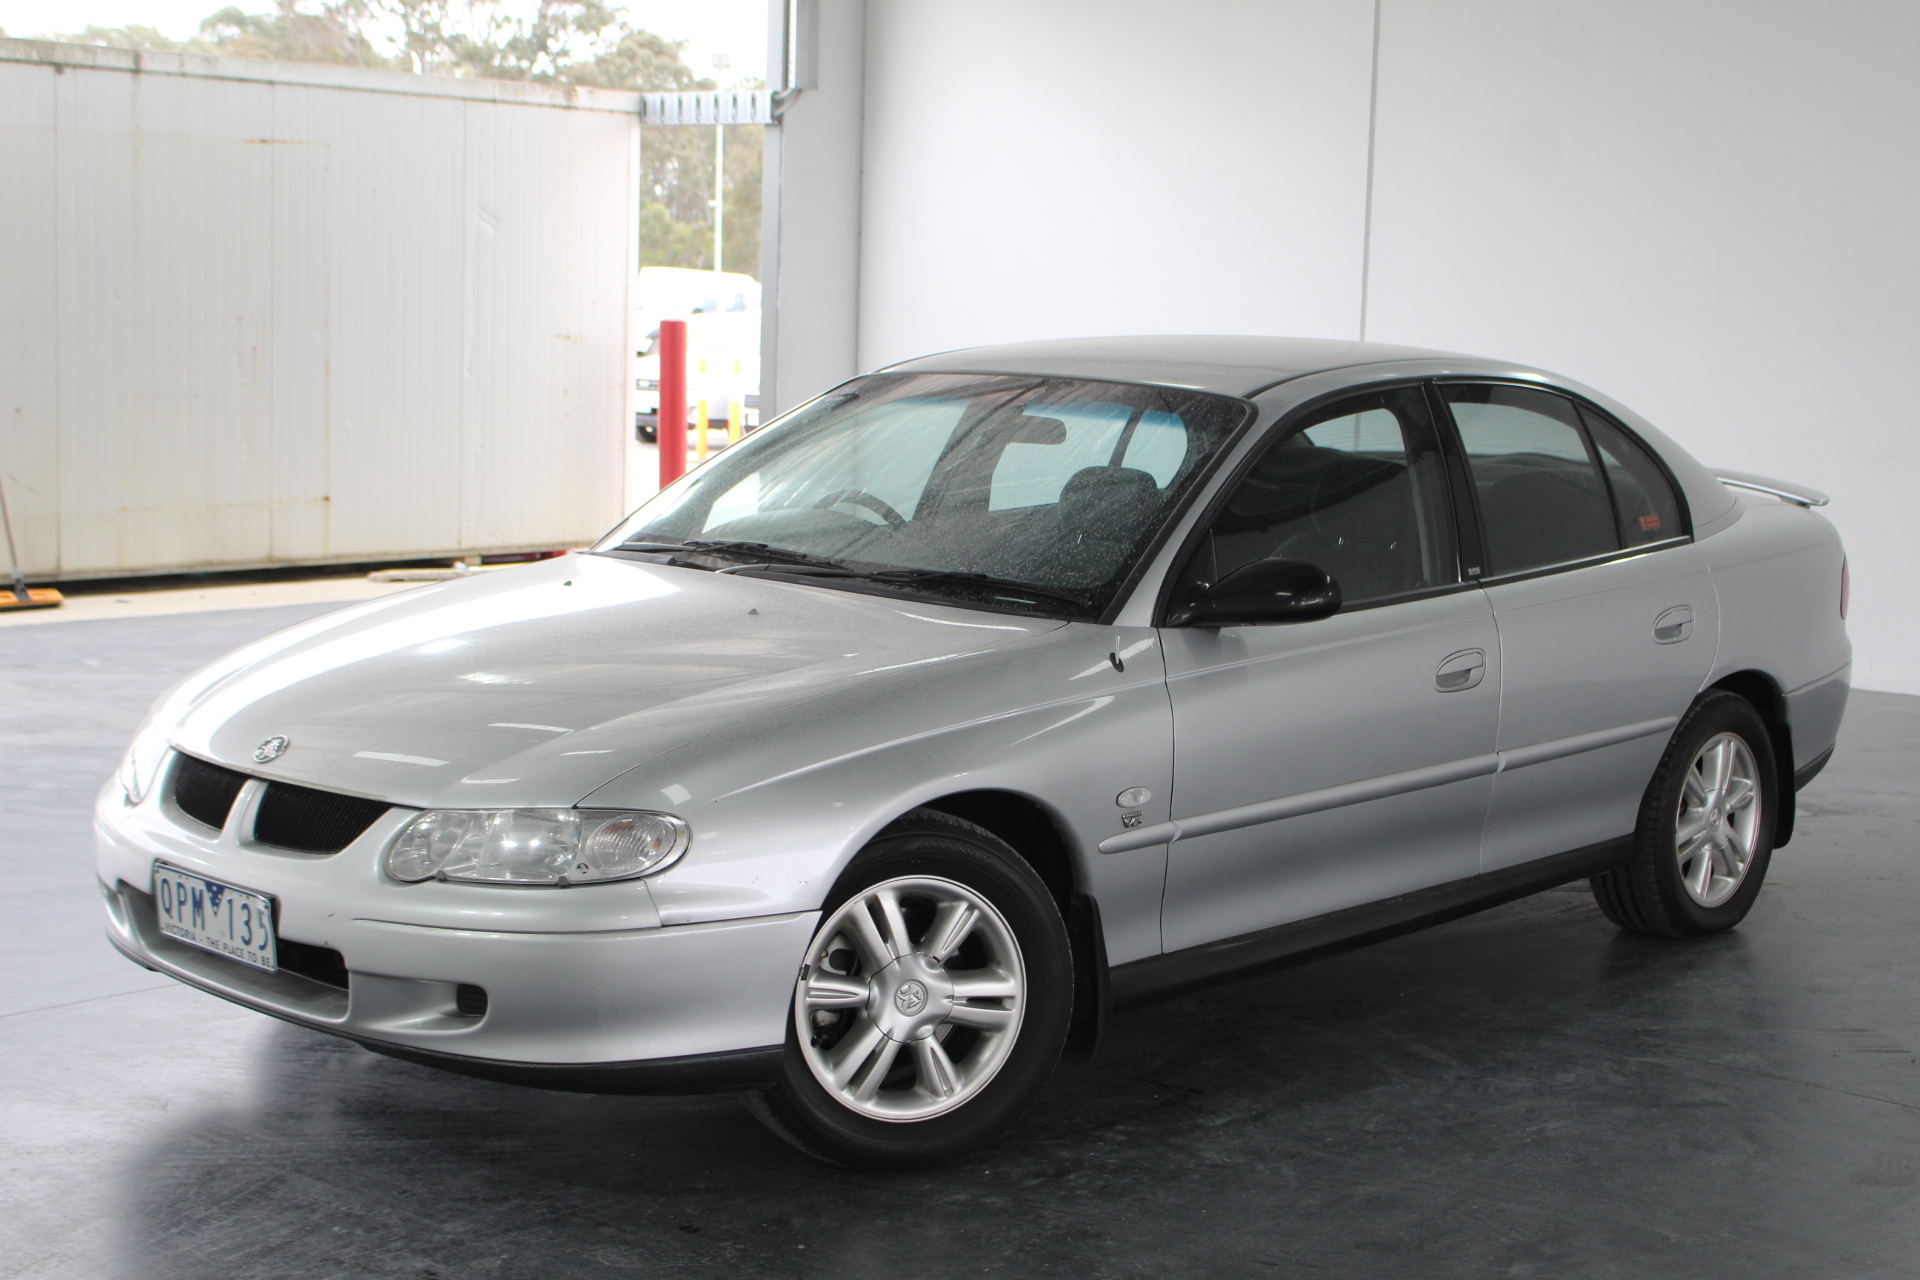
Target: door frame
[(1467, 522), (1227, 480)]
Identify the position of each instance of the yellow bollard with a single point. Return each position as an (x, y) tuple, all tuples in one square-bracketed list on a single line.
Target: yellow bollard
[(700, 425), (735, 414)]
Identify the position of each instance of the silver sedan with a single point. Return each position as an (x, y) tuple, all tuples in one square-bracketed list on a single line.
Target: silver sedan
[(868, 767)]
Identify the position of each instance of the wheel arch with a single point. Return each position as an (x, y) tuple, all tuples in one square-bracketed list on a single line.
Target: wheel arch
[(1766, 696), (1037, 834), (1040, 836)]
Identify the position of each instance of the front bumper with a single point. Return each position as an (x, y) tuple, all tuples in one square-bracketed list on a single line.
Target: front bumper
[(584, 989)]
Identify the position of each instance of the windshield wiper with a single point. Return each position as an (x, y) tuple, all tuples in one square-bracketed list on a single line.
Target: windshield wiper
[(759, 552), (763, 553), (777, 559), (1011, 586), (820, 566)]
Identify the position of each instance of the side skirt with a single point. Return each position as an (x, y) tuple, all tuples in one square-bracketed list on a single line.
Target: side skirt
[(1304, 940)]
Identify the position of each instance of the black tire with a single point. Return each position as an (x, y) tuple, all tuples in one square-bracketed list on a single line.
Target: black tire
[(1645, 894), (927, 843)]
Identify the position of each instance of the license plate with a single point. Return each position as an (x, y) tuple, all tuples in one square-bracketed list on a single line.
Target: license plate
[(235, 923)]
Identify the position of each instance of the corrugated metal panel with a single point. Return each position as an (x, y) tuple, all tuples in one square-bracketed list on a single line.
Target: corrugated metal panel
[(29, 383), (251, 320)]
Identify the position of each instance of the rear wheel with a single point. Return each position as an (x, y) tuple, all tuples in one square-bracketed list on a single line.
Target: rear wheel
[(932, 1003), (1706, 827)]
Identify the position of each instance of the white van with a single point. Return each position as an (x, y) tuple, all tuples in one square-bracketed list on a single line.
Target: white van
[(722, 311)]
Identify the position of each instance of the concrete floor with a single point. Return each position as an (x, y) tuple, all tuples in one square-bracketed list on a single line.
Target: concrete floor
[(1524, 1093)]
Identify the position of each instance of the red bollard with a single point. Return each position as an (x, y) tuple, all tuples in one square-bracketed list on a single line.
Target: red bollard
[(672, 422)]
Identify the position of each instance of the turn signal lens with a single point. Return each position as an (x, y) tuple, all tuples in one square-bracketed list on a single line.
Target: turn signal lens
[(1846, 586), (536, 846), (141, 765)]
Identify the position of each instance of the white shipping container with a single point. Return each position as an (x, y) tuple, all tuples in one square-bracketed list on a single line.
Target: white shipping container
[(256, 313)]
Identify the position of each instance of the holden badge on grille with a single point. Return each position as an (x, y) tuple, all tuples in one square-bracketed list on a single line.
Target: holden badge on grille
[(272, 749)]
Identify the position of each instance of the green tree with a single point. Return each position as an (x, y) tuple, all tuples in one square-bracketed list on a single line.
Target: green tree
[(142, 39), (293, 32), (554, 41), (331, 33), (676, 216)]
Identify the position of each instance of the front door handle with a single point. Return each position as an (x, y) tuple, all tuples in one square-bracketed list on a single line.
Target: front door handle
[(1673, 626), (1462, 670)]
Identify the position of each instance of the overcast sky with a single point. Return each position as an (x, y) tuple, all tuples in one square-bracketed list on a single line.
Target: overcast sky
[(735, 27)]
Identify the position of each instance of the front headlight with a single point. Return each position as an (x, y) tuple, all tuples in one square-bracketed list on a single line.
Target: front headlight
[(141, 765), (536, 846)]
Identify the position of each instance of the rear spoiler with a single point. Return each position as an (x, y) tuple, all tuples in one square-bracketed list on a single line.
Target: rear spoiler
[(1796, 493)]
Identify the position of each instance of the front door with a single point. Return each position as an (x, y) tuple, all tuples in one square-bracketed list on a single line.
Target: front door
[(1326, 764), (1607, 618)]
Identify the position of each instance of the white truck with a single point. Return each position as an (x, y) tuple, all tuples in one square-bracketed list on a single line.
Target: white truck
[(722, 311)]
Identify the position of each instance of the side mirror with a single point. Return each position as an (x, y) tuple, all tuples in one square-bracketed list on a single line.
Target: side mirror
[(1263, 591)]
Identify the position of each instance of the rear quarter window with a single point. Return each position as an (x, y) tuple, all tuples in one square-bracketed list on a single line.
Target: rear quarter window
[(1643, 500)]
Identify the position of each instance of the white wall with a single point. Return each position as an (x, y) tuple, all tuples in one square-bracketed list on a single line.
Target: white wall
[(253, 314), (1703, 207), (1707, 209), (1039, 168)]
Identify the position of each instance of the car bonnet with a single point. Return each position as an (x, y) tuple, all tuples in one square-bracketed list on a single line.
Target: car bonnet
[(532, 686)]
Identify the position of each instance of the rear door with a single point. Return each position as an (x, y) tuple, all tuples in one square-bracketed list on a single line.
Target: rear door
[(1606, 617)]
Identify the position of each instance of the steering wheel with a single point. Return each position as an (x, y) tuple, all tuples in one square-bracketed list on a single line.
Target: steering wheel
[(861, 498)]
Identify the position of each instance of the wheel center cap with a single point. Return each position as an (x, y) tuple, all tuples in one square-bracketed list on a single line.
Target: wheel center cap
[(911, 997)]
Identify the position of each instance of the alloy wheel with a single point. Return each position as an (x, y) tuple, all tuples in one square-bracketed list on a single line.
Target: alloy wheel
[(910, 999), (1717, 831)]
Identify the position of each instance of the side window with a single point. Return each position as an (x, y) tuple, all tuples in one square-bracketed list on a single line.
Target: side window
[(1357, 489), (1542, 498), (1642, 498)]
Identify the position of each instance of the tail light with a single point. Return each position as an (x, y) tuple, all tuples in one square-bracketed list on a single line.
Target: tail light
[(1846, 585)]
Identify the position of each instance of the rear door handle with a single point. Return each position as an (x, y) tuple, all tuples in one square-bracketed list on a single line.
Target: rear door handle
[(1673, 626), (1462, 670)]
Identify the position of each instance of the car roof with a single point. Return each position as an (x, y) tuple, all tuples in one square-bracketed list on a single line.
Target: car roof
[(1235, 365), (1240, 365)]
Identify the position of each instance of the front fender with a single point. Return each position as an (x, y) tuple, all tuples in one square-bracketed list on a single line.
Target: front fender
[(779, 805)]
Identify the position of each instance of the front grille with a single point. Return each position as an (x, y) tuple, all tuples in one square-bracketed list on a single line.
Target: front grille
[(205, 792), (322, 964), (310, 821)]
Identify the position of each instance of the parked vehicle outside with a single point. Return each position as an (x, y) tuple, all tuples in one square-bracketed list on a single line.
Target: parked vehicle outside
[(722, 311), (865, 769)]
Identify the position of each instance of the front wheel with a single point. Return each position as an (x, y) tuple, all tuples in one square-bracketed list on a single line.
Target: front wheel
[(932, 1003), (1706, 827)]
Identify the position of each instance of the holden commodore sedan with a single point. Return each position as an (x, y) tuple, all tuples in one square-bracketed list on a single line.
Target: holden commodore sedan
[(868, 767)]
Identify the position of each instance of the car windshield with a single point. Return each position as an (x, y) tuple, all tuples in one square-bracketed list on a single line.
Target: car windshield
[(1027, 493)]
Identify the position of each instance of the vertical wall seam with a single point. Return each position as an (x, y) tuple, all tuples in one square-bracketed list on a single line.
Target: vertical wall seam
[(1366, 227), (61, 355), (267, 423), (860, 190), (469, 214)]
